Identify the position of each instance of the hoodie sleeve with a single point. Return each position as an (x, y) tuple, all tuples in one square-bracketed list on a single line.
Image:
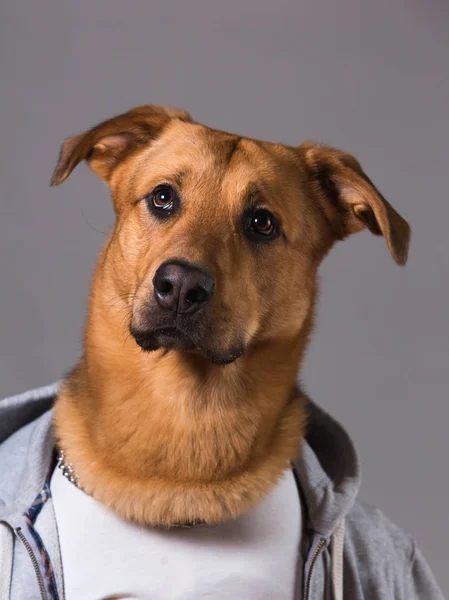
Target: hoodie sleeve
[(420, 582)]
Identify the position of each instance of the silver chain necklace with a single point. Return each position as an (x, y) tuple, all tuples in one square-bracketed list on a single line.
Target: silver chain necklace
[(69, 472), (67, 468)]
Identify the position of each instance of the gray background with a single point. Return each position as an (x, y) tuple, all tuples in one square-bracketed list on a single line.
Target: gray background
[(368, 76)]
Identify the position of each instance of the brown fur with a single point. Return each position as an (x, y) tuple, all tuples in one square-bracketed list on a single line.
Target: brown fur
[(169, 436)]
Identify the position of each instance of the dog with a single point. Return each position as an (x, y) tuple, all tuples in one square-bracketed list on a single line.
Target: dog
[(184, 407), (203, 299)]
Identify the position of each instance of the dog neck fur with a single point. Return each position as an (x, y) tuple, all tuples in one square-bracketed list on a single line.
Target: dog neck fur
[(166, 438)]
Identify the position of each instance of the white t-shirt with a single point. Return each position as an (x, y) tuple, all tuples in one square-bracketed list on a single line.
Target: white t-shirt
[(253, 557)]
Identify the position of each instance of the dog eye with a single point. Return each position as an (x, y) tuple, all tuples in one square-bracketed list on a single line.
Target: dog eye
[(262, 222), (163, 201), (261, 226)]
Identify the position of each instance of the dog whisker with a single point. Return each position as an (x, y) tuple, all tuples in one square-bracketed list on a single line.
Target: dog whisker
[(90, 224)]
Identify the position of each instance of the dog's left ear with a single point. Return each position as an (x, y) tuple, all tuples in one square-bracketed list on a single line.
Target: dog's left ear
[(350, 199), (108, 143)]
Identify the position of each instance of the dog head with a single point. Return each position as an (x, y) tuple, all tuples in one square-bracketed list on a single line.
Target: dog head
[(218, 238)]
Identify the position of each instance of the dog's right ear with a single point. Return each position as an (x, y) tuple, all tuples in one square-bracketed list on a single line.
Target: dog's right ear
[(108, 143)]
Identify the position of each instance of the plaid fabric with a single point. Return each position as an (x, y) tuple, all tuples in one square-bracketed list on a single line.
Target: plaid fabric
[(30, 518), (34, 510)]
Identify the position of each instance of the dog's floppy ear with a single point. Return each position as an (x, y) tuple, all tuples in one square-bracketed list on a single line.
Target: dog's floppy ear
[(106, 144), (350, 199)]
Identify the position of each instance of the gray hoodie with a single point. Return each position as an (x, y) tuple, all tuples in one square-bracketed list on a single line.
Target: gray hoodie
[(354, 551)]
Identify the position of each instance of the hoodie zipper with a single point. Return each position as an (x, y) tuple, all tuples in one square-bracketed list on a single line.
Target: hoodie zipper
[(316, 553), (34, 562)]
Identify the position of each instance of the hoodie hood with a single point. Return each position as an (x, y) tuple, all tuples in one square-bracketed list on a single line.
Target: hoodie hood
[(328, 469), (26, 448)]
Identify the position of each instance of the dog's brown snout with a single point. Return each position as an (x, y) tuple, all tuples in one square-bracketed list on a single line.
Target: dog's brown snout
[(182, 287)]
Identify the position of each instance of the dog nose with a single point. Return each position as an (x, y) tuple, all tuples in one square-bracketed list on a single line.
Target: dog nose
[(182, 287)]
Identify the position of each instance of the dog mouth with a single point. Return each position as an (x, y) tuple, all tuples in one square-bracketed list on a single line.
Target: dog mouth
[(170, 338), (173, 338)]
